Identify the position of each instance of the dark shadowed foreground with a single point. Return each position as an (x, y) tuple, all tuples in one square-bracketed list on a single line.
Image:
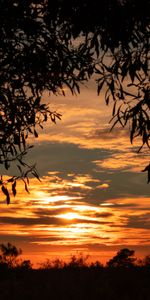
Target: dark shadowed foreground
[(124, 278), (76, 283)]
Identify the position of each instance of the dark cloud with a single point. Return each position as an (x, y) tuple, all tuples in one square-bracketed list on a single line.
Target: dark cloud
[(87, 221), (63, 157), (122, 185), (106, 134), (99, 237), (125, 205), (28, 238), (103, 215), (34, 221), (66, 158), (106, 248), (43, 212), (52, 221), (139, 221)]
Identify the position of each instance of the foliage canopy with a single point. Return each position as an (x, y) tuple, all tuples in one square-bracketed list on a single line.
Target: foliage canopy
[(124, 258), (46, 46)]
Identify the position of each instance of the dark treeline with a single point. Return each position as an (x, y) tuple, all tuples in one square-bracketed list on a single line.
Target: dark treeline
[(124, 258), (123, 277)]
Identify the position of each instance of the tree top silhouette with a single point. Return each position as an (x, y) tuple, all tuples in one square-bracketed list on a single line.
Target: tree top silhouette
[(124, 258)]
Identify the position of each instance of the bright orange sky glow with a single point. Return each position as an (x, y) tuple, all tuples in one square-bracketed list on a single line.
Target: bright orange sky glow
[(92, 197)]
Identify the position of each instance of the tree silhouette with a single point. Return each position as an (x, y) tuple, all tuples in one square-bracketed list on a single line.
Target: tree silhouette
[(79, 261), (36, 55), (124, 258), (46, 46), (9, 255), (25, 265), (146, 261)]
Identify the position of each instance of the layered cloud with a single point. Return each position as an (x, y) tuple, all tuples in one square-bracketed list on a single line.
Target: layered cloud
[(92, 195), (65, 211)]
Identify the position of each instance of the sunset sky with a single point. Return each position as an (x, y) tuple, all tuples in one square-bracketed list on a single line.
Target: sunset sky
[(92, 198)]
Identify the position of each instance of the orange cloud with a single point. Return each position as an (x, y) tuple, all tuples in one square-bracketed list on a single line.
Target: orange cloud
[(132, 161)]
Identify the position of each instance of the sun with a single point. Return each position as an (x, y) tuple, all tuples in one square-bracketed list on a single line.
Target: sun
[(69, 216)]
